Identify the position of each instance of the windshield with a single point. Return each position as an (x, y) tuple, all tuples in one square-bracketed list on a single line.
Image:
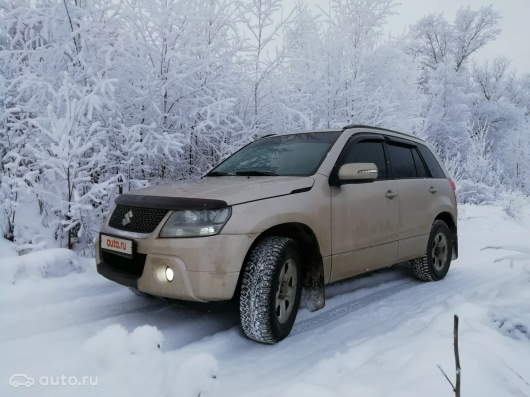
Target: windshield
[(295, 155)]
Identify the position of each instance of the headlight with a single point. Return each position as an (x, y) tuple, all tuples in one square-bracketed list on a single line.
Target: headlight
[(191, 223)]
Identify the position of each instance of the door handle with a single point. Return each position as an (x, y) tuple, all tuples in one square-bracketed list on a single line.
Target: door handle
[(390, 194), (433, 190)]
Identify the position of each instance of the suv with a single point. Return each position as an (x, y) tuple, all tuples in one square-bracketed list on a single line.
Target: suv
[(282, 217)]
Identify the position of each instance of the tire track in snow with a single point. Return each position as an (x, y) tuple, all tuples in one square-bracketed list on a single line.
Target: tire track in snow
[(348, 307), (456, 286), (428, 299), (310, 351), (57, 317)]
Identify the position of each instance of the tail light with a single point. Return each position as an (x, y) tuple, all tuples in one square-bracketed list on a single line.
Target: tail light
[(454, 189)]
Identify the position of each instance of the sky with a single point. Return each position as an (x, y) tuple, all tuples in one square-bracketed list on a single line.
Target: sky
[(513, 42)]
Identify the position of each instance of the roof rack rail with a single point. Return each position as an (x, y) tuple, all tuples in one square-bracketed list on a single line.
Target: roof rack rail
[(265, 136), (348, 126)]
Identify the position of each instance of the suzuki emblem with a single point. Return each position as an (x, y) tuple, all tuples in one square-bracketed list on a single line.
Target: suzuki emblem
[(127, 219)]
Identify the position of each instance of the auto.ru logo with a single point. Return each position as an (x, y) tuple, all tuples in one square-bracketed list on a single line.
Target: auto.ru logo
[(21, 380)]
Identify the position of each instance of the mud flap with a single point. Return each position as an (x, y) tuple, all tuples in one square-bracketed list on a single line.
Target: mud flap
[(455, 246), (313, 294)]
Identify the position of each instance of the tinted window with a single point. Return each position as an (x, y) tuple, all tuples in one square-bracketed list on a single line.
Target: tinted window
[(402, 162), (420, 167), (294, 154), (369, 152), (432, 163)]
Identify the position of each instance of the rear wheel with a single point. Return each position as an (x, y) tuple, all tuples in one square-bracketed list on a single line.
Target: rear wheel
[(270, 290), (437, 260)]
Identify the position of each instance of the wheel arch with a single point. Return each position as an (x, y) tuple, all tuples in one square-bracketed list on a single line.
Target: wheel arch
[(451, 224), (313, 297)]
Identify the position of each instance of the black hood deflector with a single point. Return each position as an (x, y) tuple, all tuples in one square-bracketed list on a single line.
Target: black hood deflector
[(169, 203)]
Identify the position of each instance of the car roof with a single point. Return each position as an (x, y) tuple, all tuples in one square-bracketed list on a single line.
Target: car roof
[(303, 132), (350, 127), (392, 132)]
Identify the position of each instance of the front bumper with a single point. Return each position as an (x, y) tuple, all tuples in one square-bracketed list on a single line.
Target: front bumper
[(127, 279), (205, 269)]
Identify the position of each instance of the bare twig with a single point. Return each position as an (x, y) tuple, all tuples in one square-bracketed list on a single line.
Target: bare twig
[(456, 388), (446, 377), (457, 358)]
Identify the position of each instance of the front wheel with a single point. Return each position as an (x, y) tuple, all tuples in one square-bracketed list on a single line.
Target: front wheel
[(435, 264), (270, 290)]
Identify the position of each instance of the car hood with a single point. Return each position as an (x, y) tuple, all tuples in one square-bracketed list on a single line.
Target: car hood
[(231, 189)]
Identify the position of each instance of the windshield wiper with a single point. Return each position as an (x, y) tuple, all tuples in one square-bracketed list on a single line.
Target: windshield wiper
[(256, 173), (218, 173)]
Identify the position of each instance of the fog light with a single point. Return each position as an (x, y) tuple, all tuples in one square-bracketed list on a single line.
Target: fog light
[(169, 274)]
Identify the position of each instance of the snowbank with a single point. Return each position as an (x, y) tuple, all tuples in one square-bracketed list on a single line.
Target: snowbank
[(405, 362), (115, 354), (7, 249), (57, 262)]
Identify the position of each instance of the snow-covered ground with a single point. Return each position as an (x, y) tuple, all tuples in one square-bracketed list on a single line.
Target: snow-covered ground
[(379, 335)]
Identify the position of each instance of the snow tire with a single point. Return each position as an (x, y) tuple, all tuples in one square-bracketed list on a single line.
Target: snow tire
[(260, 284), (424, 268)]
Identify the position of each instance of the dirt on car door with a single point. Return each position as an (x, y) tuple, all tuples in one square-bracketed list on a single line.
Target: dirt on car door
[(364, 216)]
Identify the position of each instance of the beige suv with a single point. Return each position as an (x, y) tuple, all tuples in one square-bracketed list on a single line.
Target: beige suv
[(282, 217)]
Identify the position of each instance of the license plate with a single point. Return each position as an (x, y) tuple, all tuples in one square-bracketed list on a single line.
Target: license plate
[(120, 245)]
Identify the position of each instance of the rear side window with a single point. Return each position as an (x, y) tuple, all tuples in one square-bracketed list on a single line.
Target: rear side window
[(402, 162), (432, 163), (420, 167), (369, 152)]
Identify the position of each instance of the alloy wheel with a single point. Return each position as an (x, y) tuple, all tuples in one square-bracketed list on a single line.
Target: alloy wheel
[(439, 251), (286, 291)]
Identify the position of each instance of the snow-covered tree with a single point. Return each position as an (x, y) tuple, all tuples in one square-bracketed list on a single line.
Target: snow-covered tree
[(481, 177), (454, 43), (50, 47), (368, 81), (101, 97), (262, 108), (185, 80), (70, 155), (500, 102), (304, 67), (448, 111)]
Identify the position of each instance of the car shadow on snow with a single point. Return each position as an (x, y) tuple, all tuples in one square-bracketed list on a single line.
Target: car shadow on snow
[(183, 323), (367, 280)]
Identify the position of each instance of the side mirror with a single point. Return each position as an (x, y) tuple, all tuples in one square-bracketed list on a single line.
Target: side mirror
[(365, 172)]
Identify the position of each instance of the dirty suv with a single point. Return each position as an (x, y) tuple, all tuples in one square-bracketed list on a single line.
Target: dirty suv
[(282, 217)]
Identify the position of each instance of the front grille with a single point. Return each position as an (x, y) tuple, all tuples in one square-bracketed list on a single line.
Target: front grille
[(132, 266), (143, 220)]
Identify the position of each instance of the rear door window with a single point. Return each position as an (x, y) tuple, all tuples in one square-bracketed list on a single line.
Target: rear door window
[(369, 152), (402, 161), (420, 167), (432, 163)]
